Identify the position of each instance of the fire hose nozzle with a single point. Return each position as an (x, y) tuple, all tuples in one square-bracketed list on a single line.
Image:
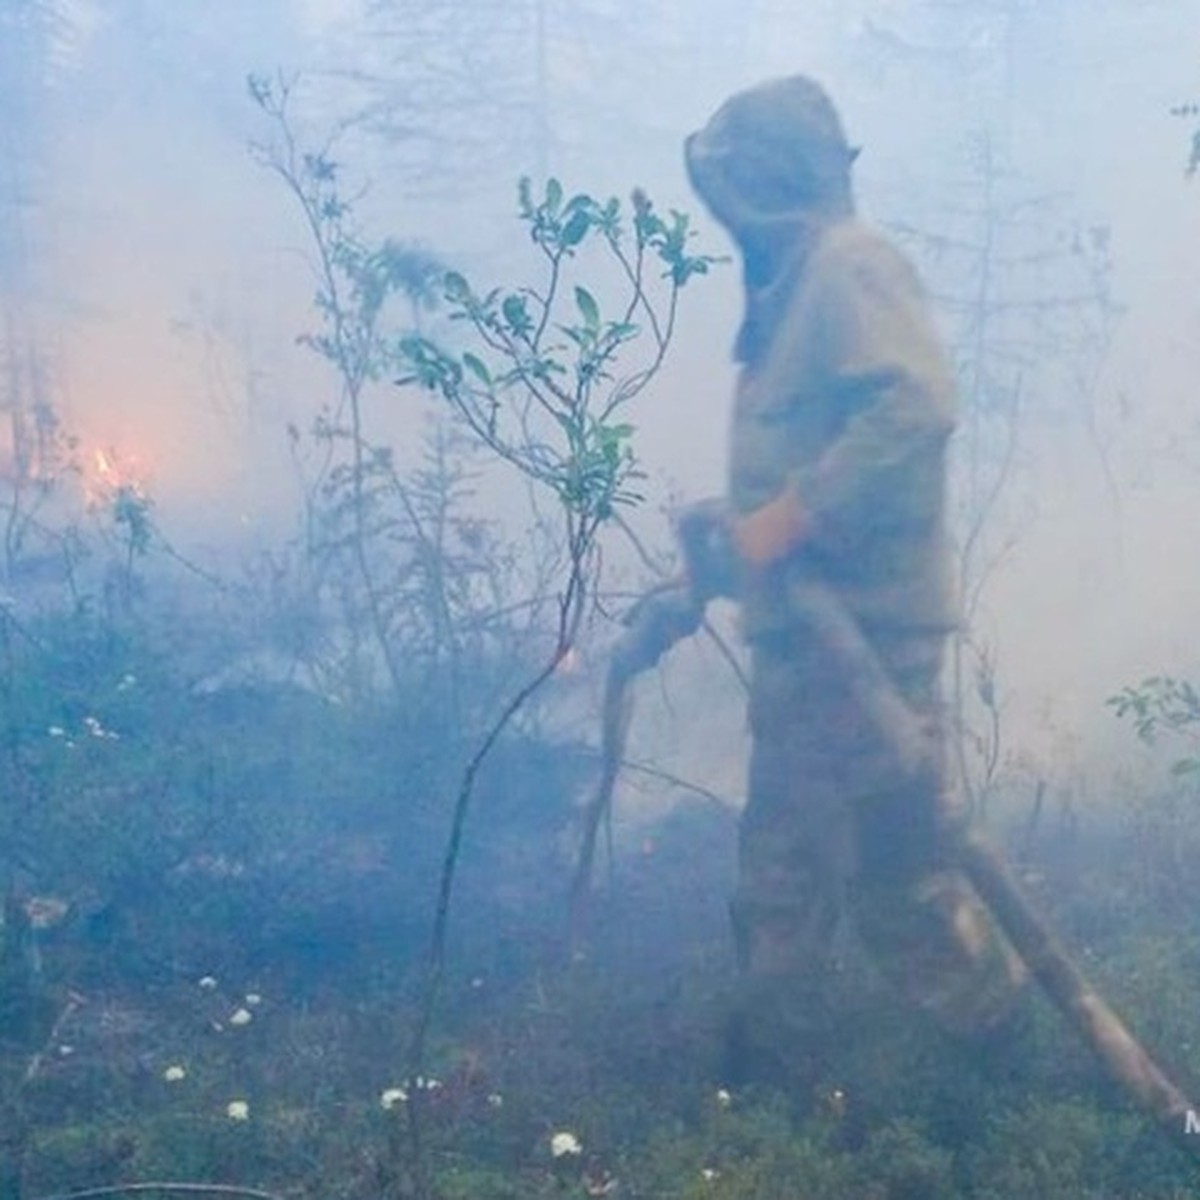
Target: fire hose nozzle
[(708, 552), (675, 610)]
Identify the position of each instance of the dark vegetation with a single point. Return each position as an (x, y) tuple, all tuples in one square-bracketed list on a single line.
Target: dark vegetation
[(221, 838)]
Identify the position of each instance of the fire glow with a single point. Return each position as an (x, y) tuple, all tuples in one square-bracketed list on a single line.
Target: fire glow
[(112, 474)]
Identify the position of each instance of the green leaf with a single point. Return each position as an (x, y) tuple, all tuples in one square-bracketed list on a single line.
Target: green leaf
[(553, 195), (456, 287), (575, 229), (621, 331), (477, 368), (588, 307), (515, 314)]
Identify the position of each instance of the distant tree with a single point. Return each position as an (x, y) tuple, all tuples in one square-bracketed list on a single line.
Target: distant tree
[(1024, 286), (466, 92), (34, 37), (1191, 113), (1026, 294)]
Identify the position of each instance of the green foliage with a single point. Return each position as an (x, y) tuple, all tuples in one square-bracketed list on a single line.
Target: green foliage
[(1059, 1148), (412, 579), (616, 1056), (131, 514), (356, 278), (538, 385), (1162, 704)]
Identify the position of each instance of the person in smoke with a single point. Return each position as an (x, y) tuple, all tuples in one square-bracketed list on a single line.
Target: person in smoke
[(843, 411)]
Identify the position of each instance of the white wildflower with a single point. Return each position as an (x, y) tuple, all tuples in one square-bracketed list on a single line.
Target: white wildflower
[(56, 731), (238, 1110), (207, 982), (709, 1175), (390, 1097), (174, 1073), (65, 1050), (495, 1100), (126, 682), (241, 1016), (724, 1098), (253, 999), (564, 1143), (45, 912)]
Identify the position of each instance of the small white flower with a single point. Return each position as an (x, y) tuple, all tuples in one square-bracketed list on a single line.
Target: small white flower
[(93, 726), (45, 912), (390, 1097), (174, 1073), (709, 1175), (253, 999), (564, 1143), (238, 1110), (724, 1098), (56, 731), (241, 1016), (495, 1100), (477, 982), (66, 1050), (207, 982), (126, 682)]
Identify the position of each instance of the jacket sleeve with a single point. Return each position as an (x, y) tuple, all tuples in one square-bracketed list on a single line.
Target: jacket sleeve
[(884, 374)]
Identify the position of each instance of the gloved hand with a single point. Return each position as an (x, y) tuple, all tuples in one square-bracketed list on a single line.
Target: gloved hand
[(710, 562), (773, 531)]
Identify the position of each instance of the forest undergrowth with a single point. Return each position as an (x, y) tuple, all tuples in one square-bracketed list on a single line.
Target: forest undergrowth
[(219, 900)]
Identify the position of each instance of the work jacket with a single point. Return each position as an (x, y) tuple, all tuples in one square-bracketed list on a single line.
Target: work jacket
[(851, 400)]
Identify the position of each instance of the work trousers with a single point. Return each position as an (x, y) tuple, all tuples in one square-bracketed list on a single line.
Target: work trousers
[(836, 829)]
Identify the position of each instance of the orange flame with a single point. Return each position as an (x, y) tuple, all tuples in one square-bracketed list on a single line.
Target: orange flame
[(110, 474)]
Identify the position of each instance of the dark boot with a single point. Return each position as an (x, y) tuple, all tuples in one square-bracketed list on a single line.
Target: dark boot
[(780, 1021)]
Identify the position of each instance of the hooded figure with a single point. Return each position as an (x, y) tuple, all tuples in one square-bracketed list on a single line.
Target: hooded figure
[(843, 411)]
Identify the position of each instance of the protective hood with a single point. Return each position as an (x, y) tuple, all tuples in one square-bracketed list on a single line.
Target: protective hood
[(773, 166)]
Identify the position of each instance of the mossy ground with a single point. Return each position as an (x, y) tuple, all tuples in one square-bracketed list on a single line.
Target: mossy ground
[(622, 1049)]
